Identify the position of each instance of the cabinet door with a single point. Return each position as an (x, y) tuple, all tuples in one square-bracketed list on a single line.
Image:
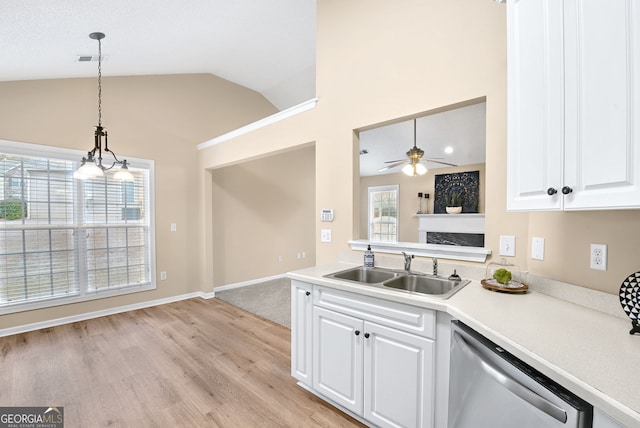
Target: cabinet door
[(301, 332), (337, 353), (535, 104), (602, 137), (398, 378)]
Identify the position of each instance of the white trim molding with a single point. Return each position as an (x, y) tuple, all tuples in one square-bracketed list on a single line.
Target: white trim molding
[(452, 223), (132, 307), (452, 252), (269, 120), (245, 283), (97, 314)]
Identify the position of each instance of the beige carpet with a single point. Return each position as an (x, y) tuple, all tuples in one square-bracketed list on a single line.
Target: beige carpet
[(270, 299)]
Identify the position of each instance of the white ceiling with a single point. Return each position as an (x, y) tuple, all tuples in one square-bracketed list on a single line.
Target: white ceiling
[(463, 129), (264, 45)]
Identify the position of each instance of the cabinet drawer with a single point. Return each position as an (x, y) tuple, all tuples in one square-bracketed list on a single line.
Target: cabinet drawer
[(407, 318)]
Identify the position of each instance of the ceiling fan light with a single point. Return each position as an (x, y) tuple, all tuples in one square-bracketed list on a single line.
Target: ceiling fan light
[(421, 169), (409, 169)]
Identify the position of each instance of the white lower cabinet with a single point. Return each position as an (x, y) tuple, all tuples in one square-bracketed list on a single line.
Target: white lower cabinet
[(398, 379), (337, 358), (301, 333), (372, 357)]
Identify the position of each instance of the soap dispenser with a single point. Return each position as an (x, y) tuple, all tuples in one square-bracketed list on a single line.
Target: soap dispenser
[(368, 257)]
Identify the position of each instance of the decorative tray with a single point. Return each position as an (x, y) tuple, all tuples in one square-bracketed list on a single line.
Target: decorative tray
[(513, 286)]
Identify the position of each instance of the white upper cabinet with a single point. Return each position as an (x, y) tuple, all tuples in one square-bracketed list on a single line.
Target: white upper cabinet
[(573, 104), (535, 103)]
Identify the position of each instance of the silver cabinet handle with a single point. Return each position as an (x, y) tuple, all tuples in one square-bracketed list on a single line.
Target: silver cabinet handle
[(511, 384)]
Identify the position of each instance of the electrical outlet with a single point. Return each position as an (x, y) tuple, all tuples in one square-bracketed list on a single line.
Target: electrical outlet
[(598, 256), (163, 276)]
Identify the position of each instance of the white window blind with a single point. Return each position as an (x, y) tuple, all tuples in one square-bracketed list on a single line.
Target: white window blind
[(62, 238)]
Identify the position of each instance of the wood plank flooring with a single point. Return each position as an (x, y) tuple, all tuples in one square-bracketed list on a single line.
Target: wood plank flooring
[(194, 363)]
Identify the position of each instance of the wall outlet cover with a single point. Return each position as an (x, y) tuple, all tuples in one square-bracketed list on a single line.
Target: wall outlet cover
[(507, 246), (598, 257), (537, 248)]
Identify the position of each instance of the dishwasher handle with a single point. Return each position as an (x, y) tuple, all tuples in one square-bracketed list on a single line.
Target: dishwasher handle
[(511, 384)]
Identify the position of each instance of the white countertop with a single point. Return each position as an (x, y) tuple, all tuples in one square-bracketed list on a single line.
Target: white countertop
[(587, 351)]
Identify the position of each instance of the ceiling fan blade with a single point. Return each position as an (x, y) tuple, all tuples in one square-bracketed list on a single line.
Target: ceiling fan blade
[(436, 161), (397, 160), (393, 165)]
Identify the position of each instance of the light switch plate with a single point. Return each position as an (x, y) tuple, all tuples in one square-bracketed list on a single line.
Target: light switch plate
[(507, 246), (537, 248), (325, 235)]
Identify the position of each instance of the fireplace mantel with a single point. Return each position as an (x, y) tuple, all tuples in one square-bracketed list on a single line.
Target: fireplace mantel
[(455, 223)]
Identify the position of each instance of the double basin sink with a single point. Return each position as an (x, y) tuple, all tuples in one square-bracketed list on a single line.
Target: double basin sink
[(401, 280)]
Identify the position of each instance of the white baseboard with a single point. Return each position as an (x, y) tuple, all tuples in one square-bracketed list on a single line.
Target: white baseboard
[(250, 282), (96, 314)]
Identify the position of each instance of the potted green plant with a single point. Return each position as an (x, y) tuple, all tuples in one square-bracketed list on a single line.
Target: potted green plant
[(453, 200)]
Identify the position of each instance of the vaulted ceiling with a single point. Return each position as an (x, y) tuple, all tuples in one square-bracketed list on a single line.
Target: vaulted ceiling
[(264, 45)]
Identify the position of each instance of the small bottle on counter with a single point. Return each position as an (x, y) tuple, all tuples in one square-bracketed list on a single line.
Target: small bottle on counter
[(368, 257)]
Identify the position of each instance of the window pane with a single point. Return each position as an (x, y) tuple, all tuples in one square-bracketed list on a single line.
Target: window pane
[(60, 236), (117, 257), (383, 212)]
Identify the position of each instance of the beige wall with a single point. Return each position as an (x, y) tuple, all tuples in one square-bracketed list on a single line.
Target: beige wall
[(408, 197), (262, 210), (156, 117), (378, 62)]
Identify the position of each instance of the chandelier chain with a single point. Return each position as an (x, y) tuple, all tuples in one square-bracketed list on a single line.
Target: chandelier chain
[(99, 82)]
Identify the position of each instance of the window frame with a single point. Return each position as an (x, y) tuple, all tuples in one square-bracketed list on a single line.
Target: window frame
[(370, 218), (85, 293)]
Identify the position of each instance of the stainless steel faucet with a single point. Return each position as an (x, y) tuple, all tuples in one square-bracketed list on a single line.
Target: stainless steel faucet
[(407, 261), (435, 267)]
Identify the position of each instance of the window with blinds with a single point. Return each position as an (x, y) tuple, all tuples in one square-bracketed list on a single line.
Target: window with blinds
[(63, 239), (383, 213)]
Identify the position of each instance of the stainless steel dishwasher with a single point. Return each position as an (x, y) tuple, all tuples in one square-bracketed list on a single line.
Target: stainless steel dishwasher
[(491, 388)]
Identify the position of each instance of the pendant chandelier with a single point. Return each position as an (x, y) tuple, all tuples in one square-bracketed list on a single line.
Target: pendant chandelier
[(92, 166)]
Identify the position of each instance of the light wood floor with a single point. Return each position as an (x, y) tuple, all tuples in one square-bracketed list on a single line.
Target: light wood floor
[(195, 363)]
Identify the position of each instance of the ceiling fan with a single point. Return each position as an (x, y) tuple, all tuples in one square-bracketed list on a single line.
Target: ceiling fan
[(414, 162)]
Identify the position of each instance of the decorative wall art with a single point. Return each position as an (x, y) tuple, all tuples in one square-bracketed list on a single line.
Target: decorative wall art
[(464, 184)]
